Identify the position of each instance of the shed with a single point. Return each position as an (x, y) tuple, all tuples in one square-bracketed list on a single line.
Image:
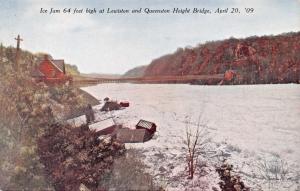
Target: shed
[(50, 70), (147, 125), (126, 135)]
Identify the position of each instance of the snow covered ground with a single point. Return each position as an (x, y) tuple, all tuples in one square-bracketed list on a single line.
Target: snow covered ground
[(255, 127)]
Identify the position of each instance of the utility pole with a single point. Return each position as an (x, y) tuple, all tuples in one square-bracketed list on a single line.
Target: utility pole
[(1, 52), (18, 52)]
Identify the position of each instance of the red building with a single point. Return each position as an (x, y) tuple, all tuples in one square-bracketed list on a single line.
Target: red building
[(51, 71)]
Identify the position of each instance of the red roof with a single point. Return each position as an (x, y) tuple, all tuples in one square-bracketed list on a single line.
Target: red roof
[(59, 64)]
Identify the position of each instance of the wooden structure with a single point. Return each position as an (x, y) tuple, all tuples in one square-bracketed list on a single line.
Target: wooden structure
[(126, 135), (51, 71), (18, 53), (147, 125), (124, 103), (1, 52), (150, 79), (105, 127)]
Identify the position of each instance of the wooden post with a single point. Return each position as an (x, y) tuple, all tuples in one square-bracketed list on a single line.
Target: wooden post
[(18, 52), (1, 52)]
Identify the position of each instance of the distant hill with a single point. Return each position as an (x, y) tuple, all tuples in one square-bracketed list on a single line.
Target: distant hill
[(136, 72), (97, 75), (266, 59)]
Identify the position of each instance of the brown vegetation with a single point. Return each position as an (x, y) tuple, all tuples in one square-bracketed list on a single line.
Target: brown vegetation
[(75, 155), (27, 109), (229, 181), (129, 173), (135, 72)]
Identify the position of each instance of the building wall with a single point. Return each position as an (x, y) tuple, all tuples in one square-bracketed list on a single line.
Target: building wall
[(50, 71)]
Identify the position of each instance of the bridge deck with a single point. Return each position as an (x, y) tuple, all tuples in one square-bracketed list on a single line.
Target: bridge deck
[(152, 79)]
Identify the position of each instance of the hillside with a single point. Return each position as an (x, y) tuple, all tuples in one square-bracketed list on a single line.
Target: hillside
[(27, 110), (135, 72), (28, 60), (266, 59)]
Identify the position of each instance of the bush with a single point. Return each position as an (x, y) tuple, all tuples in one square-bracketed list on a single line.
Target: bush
[(273, 169), (129, 173), (75, 155), (20, 168)]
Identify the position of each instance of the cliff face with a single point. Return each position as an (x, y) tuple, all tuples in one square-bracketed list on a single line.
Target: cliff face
[(267, 59)]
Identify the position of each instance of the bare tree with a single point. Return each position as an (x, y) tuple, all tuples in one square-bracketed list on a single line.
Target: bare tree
[(195, 141)]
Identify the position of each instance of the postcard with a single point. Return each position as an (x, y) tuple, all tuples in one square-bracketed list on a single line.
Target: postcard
[(164, 95)]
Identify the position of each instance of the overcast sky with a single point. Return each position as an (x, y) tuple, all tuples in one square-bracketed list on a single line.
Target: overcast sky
[(106, 43)]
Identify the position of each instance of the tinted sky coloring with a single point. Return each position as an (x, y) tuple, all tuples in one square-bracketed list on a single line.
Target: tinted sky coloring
[(106, 43)]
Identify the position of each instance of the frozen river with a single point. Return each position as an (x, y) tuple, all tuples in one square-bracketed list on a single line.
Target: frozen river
[(251, 123)]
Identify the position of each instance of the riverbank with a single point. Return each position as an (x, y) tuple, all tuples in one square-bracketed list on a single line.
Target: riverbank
[(27, 110)]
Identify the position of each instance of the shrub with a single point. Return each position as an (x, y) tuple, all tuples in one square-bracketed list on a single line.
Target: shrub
[(75, 155), (129, 173)]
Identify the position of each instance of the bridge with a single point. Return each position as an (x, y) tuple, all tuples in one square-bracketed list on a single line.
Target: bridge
[(151, 79)]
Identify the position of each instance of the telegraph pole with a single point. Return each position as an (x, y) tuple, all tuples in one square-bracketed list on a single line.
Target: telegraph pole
[(1, 52), (18, 52)]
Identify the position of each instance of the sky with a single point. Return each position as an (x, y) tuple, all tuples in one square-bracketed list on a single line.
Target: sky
[(115, 43)]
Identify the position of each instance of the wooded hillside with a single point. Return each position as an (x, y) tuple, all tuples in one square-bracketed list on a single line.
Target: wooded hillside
[(266, 59), (136, 72)]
